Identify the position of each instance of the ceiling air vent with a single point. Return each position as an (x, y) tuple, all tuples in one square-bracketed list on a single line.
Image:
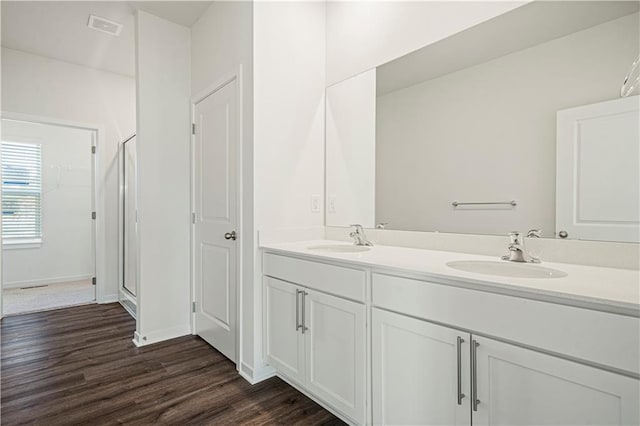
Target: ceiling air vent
[(104, 25)]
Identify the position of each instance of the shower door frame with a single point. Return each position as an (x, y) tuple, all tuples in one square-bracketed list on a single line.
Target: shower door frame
[(125, 295)]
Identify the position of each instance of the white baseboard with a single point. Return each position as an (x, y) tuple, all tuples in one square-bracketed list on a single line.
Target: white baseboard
[(109, 298), (256, 376), (161, 335), (46, 281)]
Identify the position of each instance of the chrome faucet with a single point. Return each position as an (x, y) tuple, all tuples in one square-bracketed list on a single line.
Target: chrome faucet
[(517, 250), (360, 239)]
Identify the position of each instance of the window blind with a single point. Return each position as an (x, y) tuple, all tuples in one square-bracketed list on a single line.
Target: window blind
[(21, 192)]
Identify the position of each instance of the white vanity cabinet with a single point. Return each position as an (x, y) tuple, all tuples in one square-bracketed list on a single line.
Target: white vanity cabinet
[(417, 380), (284, 342), (444, 351), (335, 352), (314, 339), (420, 372), (518, 386), (415, 373)]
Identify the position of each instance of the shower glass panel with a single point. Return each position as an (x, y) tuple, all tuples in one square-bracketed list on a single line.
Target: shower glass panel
[(129, 219)]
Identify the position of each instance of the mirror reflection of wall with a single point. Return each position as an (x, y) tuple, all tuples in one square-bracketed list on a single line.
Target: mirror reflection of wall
[(479, 125)]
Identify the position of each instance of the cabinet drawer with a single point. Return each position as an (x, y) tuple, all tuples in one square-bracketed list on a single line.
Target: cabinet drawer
[(345, 282), (598, 337)]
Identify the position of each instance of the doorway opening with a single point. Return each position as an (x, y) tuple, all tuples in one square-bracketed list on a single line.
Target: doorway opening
[(48, 216)]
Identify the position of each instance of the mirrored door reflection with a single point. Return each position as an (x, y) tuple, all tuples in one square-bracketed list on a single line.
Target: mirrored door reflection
[(129, 219)]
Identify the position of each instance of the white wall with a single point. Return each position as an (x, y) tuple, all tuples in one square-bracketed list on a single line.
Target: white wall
[(66, 251), (289, 82), (44, 87), (488, 132), (163, 139), (364, 34), (221, 41), (351, 151)]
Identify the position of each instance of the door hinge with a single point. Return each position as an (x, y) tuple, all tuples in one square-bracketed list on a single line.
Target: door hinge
[(193, 128), (93, 215), (93, 149), (193, 218), (94, 280), (193, 307)]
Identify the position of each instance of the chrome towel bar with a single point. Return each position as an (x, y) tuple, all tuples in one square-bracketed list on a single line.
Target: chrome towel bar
[(511, 203)]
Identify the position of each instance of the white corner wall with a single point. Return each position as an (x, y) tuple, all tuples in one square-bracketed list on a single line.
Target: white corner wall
[(289, 83), (163, 139), (43, 87), (364, 34)]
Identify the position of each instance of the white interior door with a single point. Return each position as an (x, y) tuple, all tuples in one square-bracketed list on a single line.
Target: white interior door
[(216, 210), (598, 171)]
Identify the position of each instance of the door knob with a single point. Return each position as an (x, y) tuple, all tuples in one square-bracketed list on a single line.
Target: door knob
[(230, 235)]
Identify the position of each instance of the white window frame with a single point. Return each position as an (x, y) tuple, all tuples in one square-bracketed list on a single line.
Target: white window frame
[(35, 240)]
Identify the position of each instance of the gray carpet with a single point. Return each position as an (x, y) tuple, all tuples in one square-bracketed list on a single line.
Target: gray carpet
[(52, 296)]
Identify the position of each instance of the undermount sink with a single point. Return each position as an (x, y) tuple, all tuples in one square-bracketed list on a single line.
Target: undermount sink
[(506, 269), (340, 248)]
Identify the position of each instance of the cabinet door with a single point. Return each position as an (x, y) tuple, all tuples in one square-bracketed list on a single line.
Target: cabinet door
[(518, 386), (283, 342), (335, 348), (416, 368)]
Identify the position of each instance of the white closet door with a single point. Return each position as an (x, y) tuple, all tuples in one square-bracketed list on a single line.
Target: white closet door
[(215, 195), (598, 171)]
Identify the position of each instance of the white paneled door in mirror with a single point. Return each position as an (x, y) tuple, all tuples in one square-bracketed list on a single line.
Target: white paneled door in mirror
[(215, 189), (598, 171)]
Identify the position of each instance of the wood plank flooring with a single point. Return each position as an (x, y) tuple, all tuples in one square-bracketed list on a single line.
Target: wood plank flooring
[(78, 366)]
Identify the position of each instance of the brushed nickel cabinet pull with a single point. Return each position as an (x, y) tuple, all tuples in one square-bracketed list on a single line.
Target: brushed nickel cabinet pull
[(459, 359), (474, 375)]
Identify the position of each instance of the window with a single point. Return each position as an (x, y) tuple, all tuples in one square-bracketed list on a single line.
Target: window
[(21, 193)]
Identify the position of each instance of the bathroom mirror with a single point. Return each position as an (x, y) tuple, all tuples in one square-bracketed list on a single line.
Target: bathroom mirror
[(514, 124)]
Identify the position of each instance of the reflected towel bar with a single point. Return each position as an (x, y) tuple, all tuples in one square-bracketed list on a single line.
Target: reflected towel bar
[(511, 203)]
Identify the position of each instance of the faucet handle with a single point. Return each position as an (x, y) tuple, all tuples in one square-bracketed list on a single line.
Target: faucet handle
[(535, 233), (516, 237), (357, 226)]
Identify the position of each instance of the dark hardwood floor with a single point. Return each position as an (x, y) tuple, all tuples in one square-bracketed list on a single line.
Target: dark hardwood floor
[(78, 366)]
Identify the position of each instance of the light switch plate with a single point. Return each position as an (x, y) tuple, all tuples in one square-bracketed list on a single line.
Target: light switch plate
[(332, 204), (315, 203)]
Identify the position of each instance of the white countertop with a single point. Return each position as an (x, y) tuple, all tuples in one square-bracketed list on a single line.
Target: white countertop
[(607, 289)]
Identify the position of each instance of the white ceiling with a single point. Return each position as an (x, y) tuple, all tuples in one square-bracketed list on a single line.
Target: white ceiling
[(58, 29)]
